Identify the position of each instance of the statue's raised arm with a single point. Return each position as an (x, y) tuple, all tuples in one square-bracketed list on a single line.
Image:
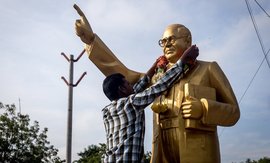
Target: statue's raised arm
[(99, 53)]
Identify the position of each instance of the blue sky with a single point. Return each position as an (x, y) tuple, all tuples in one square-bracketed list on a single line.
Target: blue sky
[(34, 33)]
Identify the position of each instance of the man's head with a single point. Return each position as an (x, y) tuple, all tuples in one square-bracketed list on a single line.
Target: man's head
[(116, 86), (176, 39)]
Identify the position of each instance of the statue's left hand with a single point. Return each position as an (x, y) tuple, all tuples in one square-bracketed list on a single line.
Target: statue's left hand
[(192, 108), (83, 28)]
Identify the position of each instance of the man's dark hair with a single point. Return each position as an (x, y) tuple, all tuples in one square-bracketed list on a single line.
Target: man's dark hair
[(111, 85)]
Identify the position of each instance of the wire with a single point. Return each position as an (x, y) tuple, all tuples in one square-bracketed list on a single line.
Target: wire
[(265, 57), (221, 132), (262, 8), (252, 79), (257, 32)]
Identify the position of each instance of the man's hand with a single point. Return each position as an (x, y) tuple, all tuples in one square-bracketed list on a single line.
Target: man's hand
[(190, 55), (83, 28), (150, 73), (192, 108)]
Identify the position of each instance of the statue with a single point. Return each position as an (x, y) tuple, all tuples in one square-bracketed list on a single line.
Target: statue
[(186, 117)]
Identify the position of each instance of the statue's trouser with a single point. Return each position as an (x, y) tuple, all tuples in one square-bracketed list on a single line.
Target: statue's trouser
[(170, 142)]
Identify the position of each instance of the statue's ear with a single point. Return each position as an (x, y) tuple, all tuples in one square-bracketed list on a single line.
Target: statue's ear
[(188, 40)]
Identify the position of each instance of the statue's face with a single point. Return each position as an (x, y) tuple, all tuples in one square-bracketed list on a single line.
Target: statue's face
[(175, 45)]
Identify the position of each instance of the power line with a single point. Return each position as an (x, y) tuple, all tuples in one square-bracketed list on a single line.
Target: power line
[(265, 56), (262, 8), (221, 132), (252, 78), (257, 32)]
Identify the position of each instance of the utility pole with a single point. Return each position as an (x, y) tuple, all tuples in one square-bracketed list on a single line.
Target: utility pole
[(19, 105), (70, 101)]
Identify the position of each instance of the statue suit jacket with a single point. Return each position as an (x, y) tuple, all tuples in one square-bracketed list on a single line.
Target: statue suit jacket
[(198, 144)]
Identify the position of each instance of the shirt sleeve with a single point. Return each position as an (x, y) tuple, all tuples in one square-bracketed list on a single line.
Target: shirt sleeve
[(146, 97), (141, 84)]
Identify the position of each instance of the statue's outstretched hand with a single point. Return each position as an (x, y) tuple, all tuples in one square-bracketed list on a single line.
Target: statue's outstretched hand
[(83, 28)]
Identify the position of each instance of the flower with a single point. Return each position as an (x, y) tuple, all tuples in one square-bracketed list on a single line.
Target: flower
[(162, 62), (160, 68)]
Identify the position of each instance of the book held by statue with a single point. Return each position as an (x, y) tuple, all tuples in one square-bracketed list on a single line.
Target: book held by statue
[(198, 92)]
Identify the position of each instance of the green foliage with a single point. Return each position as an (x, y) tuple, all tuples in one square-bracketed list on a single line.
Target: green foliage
[(92, 154), (22, 143), (261, 160), (264, 160), (147, 157)]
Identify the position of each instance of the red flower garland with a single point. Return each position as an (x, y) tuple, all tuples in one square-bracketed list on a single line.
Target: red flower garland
[(162, 63)]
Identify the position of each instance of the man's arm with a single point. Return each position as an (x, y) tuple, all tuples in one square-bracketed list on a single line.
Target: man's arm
[(146, 97), (145, 80)]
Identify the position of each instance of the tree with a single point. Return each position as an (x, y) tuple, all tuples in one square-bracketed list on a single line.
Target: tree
[(22, 143), (92, 154), (261, 160), (147, 157), (264, 160)]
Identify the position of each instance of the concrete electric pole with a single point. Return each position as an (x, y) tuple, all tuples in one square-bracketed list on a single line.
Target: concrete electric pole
[(70, 102)]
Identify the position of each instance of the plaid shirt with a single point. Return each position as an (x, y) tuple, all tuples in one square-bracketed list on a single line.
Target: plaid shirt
[(125, 122)]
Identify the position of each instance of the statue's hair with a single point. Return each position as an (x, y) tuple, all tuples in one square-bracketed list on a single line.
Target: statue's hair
[(181, 29)]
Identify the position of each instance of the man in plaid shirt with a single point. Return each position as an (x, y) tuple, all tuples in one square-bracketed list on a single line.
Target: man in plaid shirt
[(124, 118)]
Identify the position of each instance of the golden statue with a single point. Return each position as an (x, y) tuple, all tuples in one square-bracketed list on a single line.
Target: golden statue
[(185, 118)]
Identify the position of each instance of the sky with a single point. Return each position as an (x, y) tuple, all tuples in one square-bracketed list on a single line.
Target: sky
[(34, 33)]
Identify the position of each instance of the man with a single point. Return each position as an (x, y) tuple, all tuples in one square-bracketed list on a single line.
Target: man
[(124, 118), (186, 130)]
